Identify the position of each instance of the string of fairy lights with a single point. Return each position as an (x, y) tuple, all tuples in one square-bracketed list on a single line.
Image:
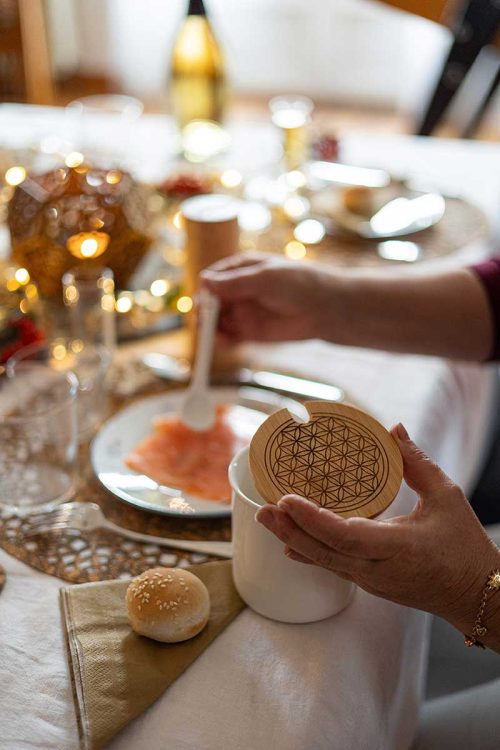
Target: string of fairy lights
[(262, 201)]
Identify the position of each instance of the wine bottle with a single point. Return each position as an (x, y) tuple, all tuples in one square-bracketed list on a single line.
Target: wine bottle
[(198, 88)]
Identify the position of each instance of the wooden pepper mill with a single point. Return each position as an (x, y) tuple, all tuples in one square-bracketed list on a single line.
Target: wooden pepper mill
[(212, 233)]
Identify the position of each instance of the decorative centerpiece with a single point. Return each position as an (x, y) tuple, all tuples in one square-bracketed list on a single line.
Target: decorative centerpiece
[(78, 215)]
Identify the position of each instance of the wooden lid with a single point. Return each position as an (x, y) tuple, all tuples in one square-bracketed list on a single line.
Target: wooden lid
[(342, 459)]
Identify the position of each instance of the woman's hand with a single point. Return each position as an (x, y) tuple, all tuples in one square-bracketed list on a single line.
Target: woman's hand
[(436, 559), (268, 298)]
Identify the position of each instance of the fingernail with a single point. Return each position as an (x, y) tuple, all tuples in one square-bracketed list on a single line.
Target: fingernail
[(265, 517), (288, 500), (401, 432)]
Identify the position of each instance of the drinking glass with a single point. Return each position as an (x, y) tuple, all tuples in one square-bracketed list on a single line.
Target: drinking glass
[(291, 114), (38, 438), (89, 295), (89, 362)]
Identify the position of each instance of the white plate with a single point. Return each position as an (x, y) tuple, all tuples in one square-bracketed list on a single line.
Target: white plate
[(120, 434), (328, 204)]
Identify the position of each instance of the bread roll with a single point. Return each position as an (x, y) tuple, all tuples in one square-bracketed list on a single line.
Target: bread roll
[(360, 200), (168, 604)]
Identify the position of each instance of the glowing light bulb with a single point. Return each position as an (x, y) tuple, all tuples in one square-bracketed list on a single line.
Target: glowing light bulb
[(296, 178), (123, 304), (22, 276), (74, 159), (309, 231), (15, 175), (113, 177), (295, 206), (231, 178), (184, 304), (295, 250), (59, 351), (159, 287)]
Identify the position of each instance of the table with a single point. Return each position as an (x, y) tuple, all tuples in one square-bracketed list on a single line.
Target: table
[(354, 681)]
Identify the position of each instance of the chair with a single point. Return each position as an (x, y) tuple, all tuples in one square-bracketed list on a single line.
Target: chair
[(475, 25), (25, 70)]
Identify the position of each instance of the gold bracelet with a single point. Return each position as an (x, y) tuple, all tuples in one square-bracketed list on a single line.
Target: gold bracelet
[(492, 584)]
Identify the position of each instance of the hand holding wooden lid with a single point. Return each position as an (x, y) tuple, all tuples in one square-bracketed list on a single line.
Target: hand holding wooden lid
[(342, 459)]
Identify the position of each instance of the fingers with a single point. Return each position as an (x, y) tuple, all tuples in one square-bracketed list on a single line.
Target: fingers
[(420, 473), (282, 525), (250, 321), (236, 278), (293, 555), (356, 537), (240, 260)]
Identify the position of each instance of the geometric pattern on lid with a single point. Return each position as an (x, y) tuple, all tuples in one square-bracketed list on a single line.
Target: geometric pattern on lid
[(332, 460)]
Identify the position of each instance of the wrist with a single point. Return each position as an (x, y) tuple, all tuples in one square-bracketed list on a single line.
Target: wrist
[(332, 306), (464, 612)]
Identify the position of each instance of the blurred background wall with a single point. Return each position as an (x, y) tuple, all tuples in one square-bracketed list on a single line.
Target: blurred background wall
[(356, 52)]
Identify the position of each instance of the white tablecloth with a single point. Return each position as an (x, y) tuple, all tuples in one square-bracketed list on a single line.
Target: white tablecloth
[(353, 682)]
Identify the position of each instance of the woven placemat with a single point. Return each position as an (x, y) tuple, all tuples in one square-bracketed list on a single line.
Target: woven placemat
[(462, 224)]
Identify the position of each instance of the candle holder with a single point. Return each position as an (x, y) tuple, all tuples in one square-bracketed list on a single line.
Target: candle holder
[(78, 215)]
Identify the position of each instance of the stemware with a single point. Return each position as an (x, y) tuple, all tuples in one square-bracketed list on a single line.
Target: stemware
[(292, 114)]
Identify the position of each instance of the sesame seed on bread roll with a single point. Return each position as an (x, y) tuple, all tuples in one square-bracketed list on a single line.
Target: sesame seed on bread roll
[(168, 604)]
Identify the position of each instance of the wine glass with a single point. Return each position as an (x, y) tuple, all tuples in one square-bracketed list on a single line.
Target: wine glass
[(292, 114)]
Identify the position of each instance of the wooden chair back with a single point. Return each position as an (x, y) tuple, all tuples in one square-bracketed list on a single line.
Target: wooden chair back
[(25, 66), (434, 10)]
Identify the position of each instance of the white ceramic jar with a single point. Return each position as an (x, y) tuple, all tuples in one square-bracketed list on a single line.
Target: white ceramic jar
[(267, 580)]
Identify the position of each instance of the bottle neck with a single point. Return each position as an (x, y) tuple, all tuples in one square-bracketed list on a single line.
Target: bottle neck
[(196, 8)]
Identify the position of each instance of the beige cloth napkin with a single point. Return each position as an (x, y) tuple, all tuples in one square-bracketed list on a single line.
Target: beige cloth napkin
[(117, 674)]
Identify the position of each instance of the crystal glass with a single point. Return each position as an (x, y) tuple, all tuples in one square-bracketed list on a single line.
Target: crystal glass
[(38, 436), (291, 114), (89, 295), (89, 362), (103, 127)]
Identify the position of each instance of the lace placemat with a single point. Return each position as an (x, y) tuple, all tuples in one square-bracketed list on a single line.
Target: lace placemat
[(78, 558)]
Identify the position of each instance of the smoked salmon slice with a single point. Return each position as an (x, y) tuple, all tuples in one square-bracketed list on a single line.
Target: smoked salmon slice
[(194, 462)]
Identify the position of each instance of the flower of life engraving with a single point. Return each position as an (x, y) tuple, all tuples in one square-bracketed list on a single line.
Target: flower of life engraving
[(332, 460)]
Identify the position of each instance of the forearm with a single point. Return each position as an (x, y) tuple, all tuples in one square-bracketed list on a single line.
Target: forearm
[(445, 314)]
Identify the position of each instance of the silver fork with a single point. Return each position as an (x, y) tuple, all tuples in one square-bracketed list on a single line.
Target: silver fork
[(77, 516)]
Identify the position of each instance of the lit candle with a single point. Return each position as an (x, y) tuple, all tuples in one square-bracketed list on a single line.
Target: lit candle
[(88, 244)]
